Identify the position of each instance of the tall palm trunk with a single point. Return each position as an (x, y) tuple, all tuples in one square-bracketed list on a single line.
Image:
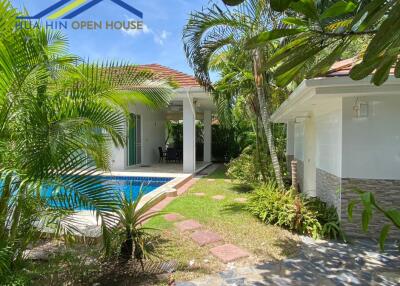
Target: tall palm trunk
[(265, 118)]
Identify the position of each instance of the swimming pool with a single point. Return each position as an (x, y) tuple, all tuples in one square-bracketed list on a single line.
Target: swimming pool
[(123, 185), (126, 184)]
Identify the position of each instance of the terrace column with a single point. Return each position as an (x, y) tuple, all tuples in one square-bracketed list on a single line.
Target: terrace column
[(289, 143), (207, 136), (189, 136)]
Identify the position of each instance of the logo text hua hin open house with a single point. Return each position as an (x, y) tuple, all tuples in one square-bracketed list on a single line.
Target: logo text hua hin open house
[(59, 16)]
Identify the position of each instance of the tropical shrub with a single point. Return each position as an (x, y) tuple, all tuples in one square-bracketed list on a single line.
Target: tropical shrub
[(134, 239), (295, 212), (247, 169)]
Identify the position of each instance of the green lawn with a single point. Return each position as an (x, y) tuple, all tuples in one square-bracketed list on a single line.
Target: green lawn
[(82, 265), (227, 218)]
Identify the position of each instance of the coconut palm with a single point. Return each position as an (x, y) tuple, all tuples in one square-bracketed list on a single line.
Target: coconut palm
[(212, 30), (58, 119)]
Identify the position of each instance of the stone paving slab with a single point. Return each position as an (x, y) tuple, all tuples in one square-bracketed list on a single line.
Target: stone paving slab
[(199, 194), (205, 237), (211, 180), (218, 197), (228, 253), (188, 225), (173, 217), (326, 263)]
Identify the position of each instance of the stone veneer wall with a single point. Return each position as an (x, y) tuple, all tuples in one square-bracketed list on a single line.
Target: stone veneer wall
[(300, 173), (328, 188), (387, 193)]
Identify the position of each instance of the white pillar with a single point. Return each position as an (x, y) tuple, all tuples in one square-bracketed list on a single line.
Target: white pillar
[(290, 138), (310, 152), (289, 144), (207, 136), (189, 136)]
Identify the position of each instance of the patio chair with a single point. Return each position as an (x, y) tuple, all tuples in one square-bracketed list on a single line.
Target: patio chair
[(171, 155), (162, 154)]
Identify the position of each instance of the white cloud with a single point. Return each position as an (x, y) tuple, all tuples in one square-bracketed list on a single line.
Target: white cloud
[(137, 32), (158, 38)]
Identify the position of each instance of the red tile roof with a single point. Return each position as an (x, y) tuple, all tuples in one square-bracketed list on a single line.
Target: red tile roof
[(162, 72), (343, 68)]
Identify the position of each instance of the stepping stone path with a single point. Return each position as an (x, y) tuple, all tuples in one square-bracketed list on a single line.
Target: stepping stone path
[(199, 194), (228, 253), (205, 237), (218, 197), (173, 217), (228, 181), (188, 225), (211, 180), (240, 200)]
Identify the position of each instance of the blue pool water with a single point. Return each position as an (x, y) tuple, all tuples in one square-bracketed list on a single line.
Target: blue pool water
[(124, 185), (147, 184)]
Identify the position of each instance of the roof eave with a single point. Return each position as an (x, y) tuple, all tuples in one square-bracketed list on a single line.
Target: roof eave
[(308, 88)]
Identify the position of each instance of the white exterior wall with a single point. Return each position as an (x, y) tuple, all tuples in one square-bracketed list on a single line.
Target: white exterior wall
[(299, 141), (153, 136), (371, 146), (329, 139)]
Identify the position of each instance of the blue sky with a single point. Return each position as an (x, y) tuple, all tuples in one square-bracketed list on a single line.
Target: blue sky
[(159, 42)]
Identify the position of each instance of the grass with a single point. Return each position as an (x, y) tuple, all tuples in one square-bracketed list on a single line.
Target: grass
[(81, 264), (227, 218)]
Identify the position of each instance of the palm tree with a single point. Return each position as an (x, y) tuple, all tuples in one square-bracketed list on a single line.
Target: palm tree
[(58, 119), (324, 30), (210, 31)]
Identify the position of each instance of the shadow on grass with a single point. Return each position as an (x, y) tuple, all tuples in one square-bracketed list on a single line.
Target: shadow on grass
[(233, 208), (242, 188)]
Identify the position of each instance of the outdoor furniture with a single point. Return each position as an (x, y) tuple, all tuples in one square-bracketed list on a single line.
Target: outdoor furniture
[(172, 155), (162, 154), (179, 155)]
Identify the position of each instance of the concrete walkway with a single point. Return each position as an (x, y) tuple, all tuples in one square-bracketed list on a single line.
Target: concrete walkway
[(318, 263)]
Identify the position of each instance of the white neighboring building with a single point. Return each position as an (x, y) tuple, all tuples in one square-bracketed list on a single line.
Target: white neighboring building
[(190, 103), (345, 134)]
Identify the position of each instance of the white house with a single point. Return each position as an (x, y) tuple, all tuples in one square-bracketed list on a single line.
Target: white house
[(345, 134), (190, 103)]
